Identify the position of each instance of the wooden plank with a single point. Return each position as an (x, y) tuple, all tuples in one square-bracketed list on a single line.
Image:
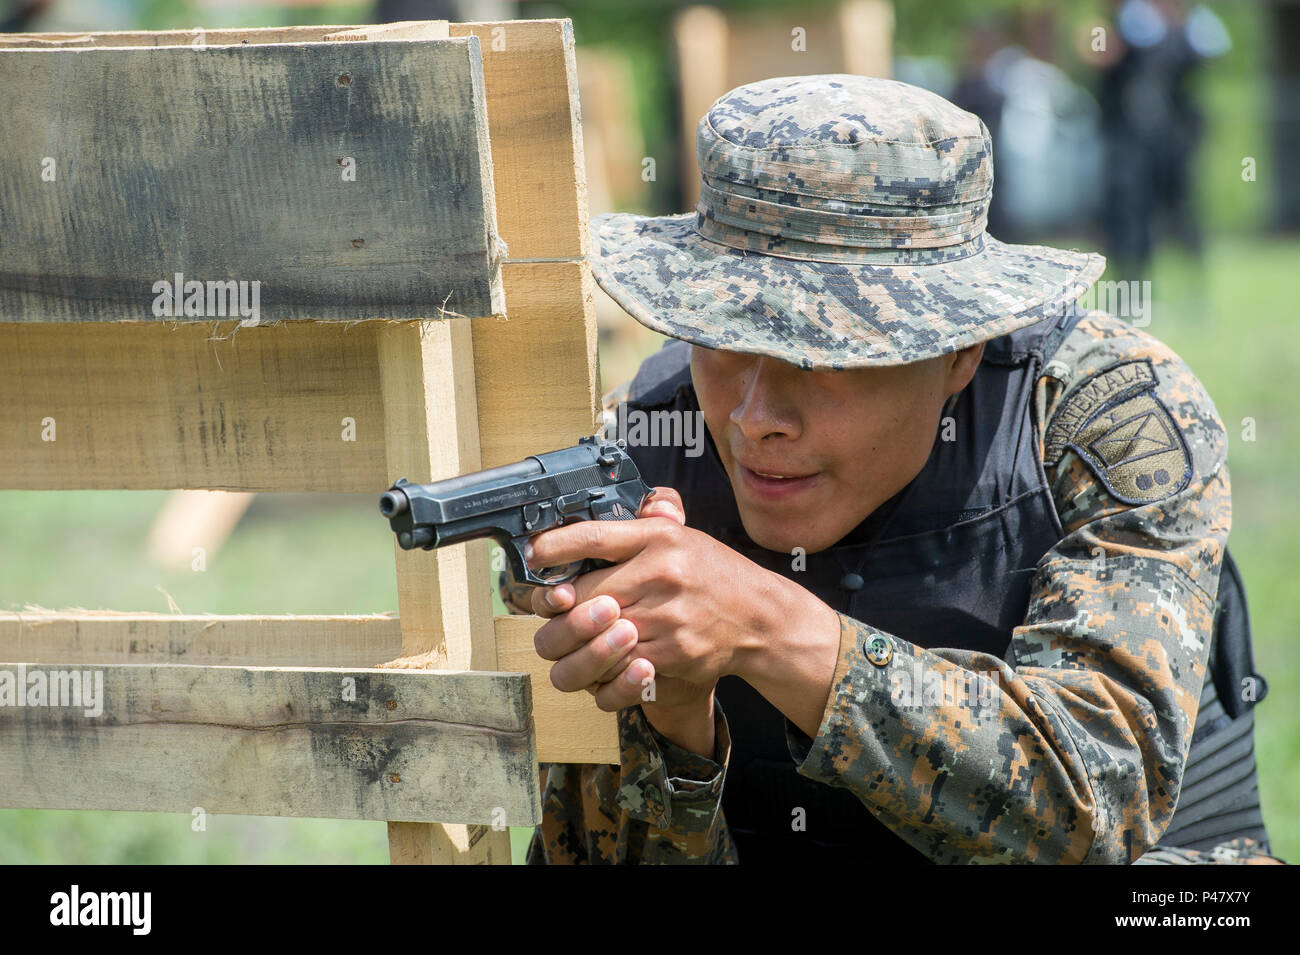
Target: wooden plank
[(400, 30), (530, 74), (109, 39), (543, 360), (700, 37), (288, 407), (537, 373), (266, 411), (348, 180), (570, 728), (717, 51), (194, 520), (80, 637), (866, 29), (266, 741), (431, 432)]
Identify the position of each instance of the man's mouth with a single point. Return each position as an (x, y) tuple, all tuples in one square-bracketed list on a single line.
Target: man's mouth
[(775, 482)]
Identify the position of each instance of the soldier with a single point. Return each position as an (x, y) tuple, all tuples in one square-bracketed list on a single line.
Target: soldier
[(942, 584)]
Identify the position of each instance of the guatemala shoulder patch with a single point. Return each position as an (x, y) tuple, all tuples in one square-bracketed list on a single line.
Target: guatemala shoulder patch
[(1124, 433)]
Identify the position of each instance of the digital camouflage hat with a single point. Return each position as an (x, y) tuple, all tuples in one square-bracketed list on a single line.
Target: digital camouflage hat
[(841, 224)]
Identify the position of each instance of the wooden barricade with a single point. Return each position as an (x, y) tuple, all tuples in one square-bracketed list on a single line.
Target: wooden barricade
[(436, 307)]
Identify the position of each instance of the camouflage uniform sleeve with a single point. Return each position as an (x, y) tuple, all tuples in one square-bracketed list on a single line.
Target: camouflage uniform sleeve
[(516, 597), (1239, 851), (663, 805), (1072, 748)]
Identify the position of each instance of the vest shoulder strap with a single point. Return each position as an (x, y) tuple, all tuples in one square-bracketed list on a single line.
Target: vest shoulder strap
[(662, 375), (1041, 338)]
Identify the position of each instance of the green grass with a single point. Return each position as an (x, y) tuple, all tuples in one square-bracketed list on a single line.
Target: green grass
[(1233, 321), (1231, 318), (131, 838)]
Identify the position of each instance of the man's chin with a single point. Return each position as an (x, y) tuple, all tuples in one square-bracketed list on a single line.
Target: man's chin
[(776, 535)]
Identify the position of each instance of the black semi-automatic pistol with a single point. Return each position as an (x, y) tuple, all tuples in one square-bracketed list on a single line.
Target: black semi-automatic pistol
[(593, 481)]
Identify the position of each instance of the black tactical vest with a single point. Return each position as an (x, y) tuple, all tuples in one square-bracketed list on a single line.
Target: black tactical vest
[(947, 562)]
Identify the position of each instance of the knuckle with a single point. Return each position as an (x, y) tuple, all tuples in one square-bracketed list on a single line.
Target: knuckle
[(561, 680), (592, 534), (611, 699), (610, 649), (673, 574), (672, 536), (548, 641), (539, 603)]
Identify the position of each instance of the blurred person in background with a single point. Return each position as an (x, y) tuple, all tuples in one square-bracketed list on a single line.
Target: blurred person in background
[(1152, 125), (1043, 124)]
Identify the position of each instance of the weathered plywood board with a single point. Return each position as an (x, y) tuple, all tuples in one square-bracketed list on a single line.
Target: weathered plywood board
[(351, 179), (570, 728), (411, 745)]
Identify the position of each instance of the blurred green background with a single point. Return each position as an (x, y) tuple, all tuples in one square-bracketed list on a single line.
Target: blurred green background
[(1230, 313)]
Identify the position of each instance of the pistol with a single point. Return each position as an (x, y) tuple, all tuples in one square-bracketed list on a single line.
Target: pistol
[(593, 481)]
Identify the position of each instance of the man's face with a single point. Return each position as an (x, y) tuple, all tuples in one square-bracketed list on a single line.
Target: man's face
[(841, 442)]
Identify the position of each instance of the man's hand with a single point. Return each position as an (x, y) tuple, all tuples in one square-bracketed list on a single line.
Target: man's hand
[(593, 640), (688, 604), (691, 609)]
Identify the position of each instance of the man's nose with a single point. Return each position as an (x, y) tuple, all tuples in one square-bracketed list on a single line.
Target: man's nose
[(765, 406)]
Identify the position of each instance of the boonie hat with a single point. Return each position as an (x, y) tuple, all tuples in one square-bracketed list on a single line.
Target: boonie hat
[(841, 224)]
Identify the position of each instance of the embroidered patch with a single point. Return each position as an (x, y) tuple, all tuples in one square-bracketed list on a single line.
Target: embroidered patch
[(1124, 433)]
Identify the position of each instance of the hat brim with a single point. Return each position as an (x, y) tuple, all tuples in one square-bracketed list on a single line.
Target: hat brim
[(827, 314)]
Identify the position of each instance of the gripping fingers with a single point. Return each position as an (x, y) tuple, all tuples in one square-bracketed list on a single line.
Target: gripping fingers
[(550, 601), (592, 661), (625, 689)]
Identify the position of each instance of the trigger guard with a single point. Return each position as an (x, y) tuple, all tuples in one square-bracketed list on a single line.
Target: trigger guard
[(523, 574), (566, 572)]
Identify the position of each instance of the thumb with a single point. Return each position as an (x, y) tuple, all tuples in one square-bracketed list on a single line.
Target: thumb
[(664, 502)]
